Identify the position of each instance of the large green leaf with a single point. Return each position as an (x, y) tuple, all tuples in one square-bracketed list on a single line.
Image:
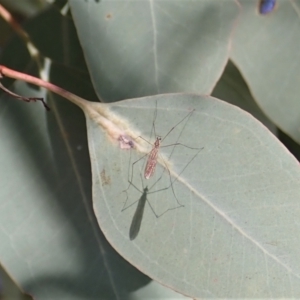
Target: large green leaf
[(266, 50), (139, 48), (236, 235)]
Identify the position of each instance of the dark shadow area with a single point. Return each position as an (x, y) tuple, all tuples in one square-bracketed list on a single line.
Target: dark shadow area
[(292, 146)]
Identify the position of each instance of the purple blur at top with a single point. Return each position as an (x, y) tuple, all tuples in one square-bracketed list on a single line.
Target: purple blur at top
[(266, 6)]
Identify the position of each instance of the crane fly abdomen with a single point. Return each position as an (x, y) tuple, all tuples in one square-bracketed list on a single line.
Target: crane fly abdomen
[(151, 164), (152, 159)]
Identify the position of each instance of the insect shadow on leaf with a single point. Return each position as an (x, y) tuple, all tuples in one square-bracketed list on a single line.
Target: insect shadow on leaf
[(266, 6)]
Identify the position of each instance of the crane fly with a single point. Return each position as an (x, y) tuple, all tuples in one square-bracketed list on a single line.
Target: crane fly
[(153, 155), (153, 169)]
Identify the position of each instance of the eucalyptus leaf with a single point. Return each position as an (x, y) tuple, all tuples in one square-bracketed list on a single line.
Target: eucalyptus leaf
[(237, 234), (266, 51), (140, 48)]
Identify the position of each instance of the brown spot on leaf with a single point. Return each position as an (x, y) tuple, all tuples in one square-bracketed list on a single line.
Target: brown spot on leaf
[(105, 179), (108, 16)]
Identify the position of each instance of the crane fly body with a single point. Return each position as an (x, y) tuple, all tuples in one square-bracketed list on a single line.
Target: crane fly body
[(152, 159)]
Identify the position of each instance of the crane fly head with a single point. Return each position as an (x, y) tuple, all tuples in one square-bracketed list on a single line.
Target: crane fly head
[(157, 141)]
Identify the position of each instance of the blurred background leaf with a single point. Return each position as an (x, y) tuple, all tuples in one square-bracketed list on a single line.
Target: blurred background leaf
[(141, 48), (266, 51)]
